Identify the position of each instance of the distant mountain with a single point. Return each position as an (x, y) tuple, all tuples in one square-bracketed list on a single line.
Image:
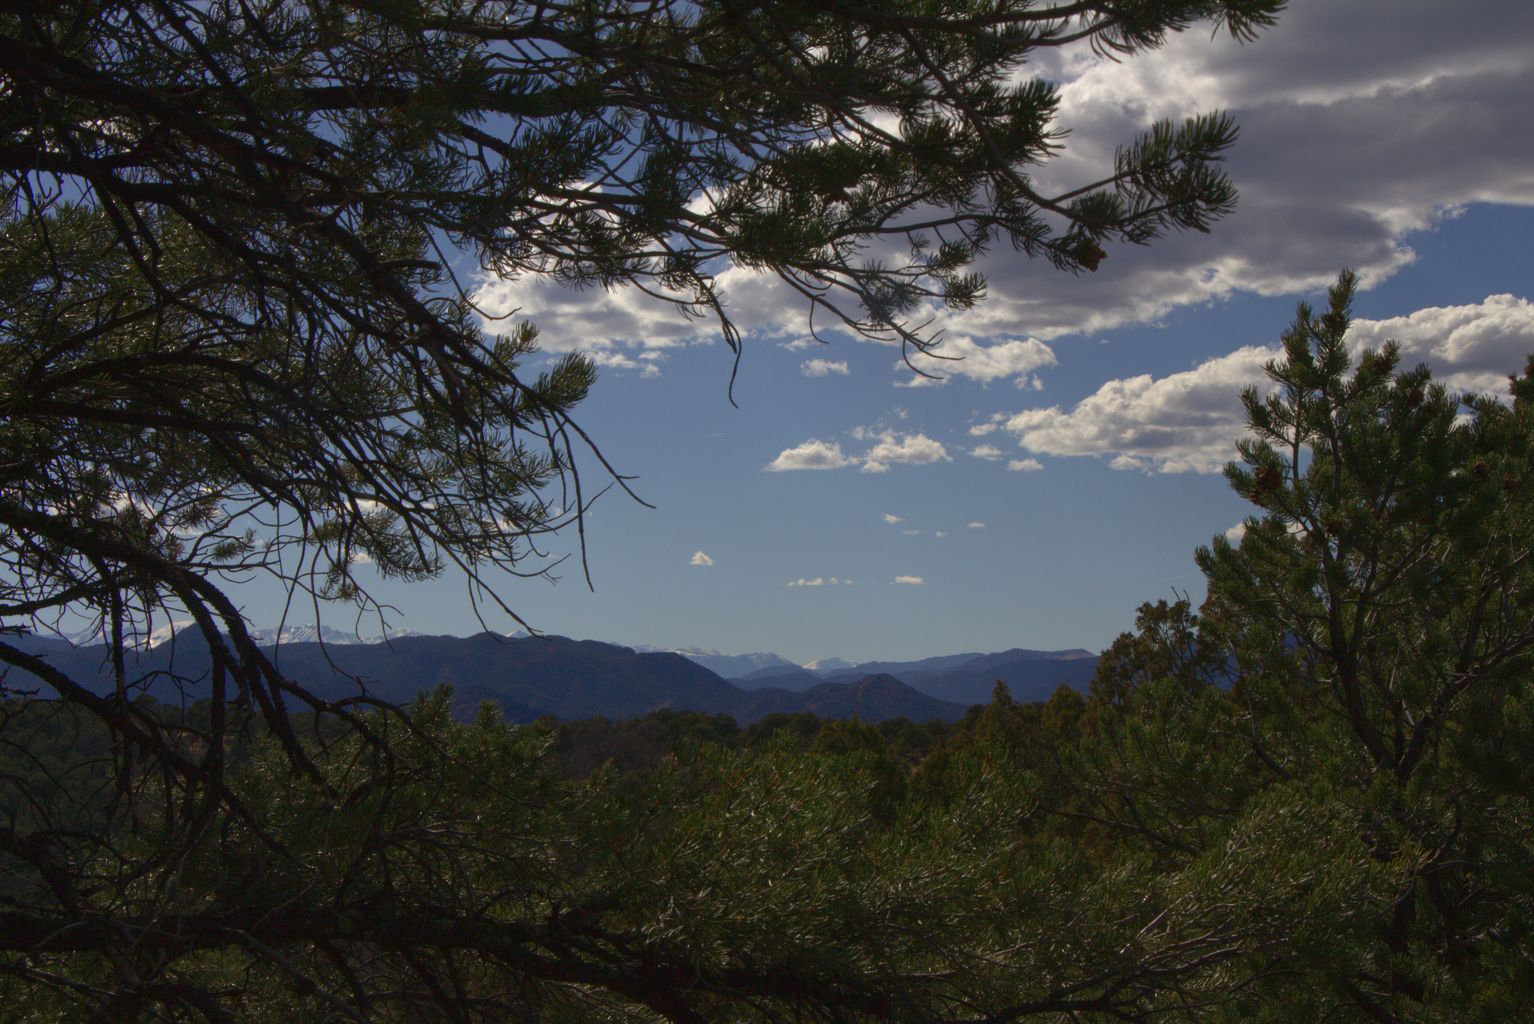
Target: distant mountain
[(1027, 678), (876, 698), (323, 635), (528, 677), (534, 676), (969, 678), (161, 634), (931, 668), (792, 678), (902, 669), (727, 666), (266, 637)]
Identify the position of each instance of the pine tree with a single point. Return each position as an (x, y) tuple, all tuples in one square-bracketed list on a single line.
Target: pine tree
[(1380, 617)]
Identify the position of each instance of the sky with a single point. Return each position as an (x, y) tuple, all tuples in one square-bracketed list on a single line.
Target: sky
[(1065, 469)]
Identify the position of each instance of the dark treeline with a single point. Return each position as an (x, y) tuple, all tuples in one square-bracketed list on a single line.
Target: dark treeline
[(638, 744)]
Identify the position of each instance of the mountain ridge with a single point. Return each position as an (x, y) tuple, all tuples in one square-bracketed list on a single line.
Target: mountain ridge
[(528, 677)]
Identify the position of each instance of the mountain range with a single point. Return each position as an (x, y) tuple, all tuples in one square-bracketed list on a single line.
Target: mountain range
[(960, 678), (530, 677)]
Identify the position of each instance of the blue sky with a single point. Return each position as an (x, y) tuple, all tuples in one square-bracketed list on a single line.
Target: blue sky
[(1068, 466)]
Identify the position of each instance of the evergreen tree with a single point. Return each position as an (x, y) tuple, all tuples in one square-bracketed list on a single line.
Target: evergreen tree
[(1380, 613), (1370, 758)]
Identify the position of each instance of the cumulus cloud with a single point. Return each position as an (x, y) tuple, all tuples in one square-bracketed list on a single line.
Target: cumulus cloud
[(812, 454), (1184, 422), (910, 581), (888, 448), (988, 452), (700, 558), (823, 368), (626, 319), (1235, 533), (1025, 465), (1189, 421), (907, 449), (646, 362), (975, 526), (892, 519), (1470, 348), (959, 355), (940, 533)]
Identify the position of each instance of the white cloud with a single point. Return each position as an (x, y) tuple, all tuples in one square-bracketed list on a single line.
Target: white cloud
[(959, 355), (975, 526), (1184, 422), (823, 368), (1470, 348), (908, 449), (1189, 421), (609, 360), (891, 519), (889, 449), (940, 533), (1025, 465), (1235, 533), (986, 451), (699, 558), (1129, 462), (911, 533), (802, 582), (984, 429), (647, 362), (812, 454), (624, 318), (910, 581)]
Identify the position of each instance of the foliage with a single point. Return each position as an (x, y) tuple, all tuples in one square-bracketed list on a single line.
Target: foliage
[(237, 253), (235, 345), (1380, 614)]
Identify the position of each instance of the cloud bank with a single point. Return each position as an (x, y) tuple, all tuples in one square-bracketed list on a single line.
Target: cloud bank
[(1189, 421), (1360, 123)]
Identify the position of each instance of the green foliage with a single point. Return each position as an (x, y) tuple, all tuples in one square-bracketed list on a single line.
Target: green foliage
[(239, 245), (1378, 611), (234, 345)]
